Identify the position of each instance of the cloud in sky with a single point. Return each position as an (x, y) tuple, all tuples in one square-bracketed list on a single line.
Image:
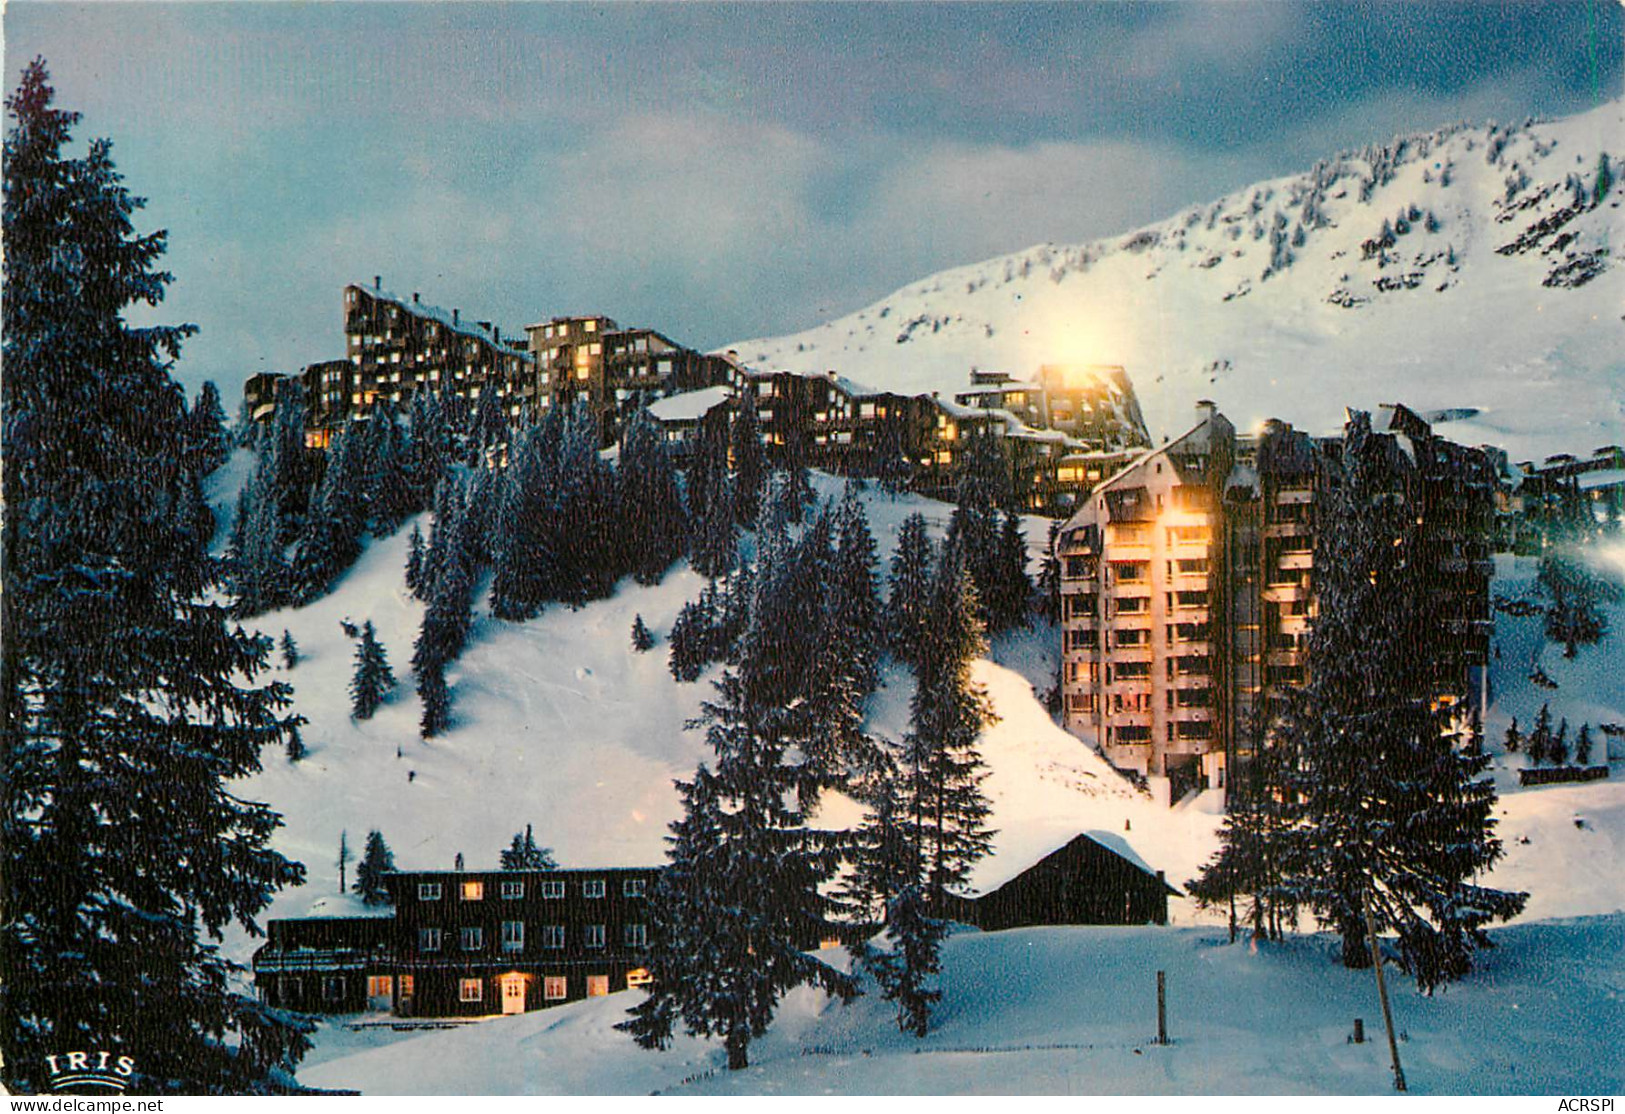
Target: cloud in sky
[(722, 171)]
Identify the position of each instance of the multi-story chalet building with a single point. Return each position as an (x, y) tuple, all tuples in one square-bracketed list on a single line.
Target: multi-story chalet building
[(467, 944), (1187, 588), (591, 360), (397, 345)]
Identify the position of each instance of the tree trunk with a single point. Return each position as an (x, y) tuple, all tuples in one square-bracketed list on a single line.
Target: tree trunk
[(738, 1051), (1356, 948)]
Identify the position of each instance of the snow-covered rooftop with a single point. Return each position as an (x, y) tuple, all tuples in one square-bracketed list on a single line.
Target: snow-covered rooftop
[(690, 405), (443, 317)]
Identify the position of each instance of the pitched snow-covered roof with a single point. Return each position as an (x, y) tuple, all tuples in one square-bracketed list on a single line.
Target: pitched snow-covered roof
[(999, 872), (690, 405), (442, 317)]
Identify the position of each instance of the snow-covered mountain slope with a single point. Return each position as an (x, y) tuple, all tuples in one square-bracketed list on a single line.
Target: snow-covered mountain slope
[(1073, 1011), (1464, 270), (560, 724)]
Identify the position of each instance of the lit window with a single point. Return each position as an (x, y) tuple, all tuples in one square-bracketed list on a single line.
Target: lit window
[(378, 986), (597, 986), (513, 936), (473, 891), (639, 976), (428, 939), (428, 891), (591, 326), (471, 990), (513, 891), (595, 349), (554, 988), (633, 887), (595, 936), (473, 938), (552, 936), (553, 890), (592, 887), (636, 935)]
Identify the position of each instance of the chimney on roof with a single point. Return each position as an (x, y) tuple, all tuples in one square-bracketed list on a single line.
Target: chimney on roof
[(414, 297), (454, 315), (1205, 409), (377, 282), (486, 325)]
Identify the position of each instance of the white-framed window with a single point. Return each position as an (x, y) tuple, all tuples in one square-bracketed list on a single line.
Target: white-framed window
[(471, 990), (513, 936), (592, 887), (594, 935), (636, 935), (473, 938), (555, 988), (633, 887), (428, 939), (552, 890), (512, 891), (473, 891), (428, 891), (553, 936)]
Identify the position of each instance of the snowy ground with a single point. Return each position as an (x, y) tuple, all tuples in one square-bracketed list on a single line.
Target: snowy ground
[(1072, 1011), (560, 724)]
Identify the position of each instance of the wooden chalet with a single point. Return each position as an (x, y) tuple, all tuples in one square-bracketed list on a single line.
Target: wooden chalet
[(1096, 878)]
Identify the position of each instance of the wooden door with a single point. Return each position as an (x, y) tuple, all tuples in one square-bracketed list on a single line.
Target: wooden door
[(513, 993)]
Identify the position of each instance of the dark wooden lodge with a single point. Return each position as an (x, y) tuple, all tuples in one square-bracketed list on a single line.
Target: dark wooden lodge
[(1084, 882), (326, 964)]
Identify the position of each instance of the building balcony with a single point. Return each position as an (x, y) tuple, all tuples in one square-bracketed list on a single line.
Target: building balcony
[(1128, 551), (1293, 592), (1287, 530), (1295, 561)]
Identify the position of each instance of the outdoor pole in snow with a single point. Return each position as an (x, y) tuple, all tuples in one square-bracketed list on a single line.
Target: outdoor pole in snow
[(1382, 993), (1162, 1008)]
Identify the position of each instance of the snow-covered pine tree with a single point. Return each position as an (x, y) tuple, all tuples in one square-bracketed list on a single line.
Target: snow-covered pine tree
[(414, 563), (338, 517), (388, 483), (983, 488), (726, 946), (948, 712), (799, 492), (1575, 617), (1047, 590), (1012, 589), (1582, 746), (487, 430), (642, 640), (128, 703), (1390, 811), (585, 554), (1513, 740), (447, 619), (373, 678), (207, 442), (1558, 752), (715, 545), (377, 860), (526, 529), (891, 464), (907, 614), (650, 518), (750, 468), (430, 456), (1256, 845), (686, 658), (524, 853), (290, 650), (1540, 736), (708, 467), (344, 858)]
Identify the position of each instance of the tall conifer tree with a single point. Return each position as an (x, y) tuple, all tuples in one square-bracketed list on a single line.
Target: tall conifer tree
[(128, 703)]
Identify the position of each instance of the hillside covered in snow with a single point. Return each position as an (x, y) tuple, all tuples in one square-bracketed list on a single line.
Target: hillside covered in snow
[(1470, 272)]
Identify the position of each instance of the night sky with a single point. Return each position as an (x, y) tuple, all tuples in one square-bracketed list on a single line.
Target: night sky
[(726, 171)]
